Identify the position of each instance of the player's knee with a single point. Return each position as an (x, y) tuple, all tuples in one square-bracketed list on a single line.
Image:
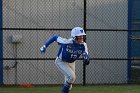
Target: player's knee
[(72, 78)]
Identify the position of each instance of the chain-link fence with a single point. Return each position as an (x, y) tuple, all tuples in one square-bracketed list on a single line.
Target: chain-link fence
[(27, 24), (25, 64)]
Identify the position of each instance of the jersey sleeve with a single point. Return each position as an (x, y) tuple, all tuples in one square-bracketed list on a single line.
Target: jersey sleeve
[(51, 40), (86, 48), (58, 39), (61, 40)]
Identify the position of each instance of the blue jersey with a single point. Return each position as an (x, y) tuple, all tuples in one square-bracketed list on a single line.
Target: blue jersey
[(69, 50)]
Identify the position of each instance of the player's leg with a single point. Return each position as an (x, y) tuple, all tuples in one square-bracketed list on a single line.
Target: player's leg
[(72, 66), (66, 70), (70, 85), (68, 73)]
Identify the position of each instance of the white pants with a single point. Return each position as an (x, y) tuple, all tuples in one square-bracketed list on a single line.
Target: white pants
[(67, 69)]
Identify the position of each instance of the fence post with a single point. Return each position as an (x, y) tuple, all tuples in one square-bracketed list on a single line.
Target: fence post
[(84, 66), (1, 46)]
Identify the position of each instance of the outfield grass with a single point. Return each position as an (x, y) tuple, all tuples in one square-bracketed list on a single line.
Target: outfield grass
[(76, 89)]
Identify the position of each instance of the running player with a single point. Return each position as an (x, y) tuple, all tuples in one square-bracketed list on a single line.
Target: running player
[(70, 50)]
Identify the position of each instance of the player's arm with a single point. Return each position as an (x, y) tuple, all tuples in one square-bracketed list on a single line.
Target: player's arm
[(61, 40), (85, 55), (48, 42)]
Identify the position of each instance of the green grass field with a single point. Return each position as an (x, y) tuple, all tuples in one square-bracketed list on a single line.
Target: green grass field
[(76, 89)]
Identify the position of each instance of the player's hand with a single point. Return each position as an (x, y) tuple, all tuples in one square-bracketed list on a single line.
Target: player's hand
[(43, 49), (86, 59)]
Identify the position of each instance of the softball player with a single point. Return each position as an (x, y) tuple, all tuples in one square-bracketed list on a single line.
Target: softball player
[(70, 50)]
